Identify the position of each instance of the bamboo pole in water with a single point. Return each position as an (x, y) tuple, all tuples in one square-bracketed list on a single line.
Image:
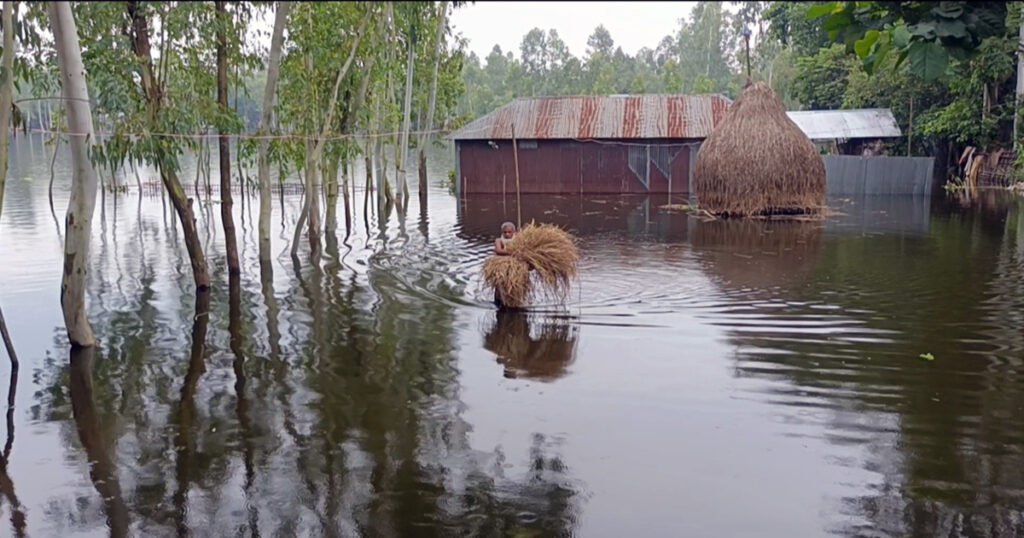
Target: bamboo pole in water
[(515, 157)]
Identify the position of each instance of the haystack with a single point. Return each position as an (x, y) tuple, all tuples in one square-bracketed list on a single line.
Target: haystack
[(544, 249), (758, 162)]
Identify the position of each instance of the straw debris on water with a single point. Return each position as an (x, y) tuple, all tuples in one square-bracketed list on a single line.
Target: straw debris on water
[(758, 162), (547, 250)]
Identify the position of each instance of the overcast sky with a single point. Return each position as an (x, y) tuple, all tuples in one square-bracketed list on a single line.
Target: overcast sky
[(633, 25)]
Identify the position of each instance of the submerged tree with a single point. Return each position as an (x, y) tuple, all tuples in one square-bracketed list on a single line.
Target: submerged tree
[(6, 89), (83, 177), (273, 70)]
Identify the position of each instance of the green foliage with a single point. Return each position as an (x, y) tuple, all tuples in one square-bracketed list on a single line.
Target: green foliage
[(926, 33), (821, 80)]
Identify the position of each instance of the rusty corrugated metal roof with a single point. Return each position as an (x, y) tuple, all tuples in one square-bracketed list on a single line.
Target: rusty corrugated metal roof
[(613, 116)]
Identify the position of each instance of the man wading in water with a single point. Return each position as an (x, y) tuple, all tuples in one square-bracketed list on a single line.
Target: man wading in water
[(508, 234)]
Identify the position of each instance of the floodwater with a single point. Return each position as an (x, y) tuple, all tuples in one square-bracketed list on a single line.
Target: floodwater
[(705, 379)]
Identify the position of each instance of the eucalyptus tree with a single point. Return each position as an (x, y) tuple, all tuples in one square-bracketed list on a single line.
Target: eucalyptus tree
[(6, 91), (425, 136), (154, 99), (410, 13), (273, 70), (224, 153), (331, 33), (83, 175)]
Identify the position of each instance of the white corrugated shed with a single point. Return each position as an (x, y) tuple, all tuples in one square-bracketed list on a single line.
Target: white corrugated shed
[(846, 124)]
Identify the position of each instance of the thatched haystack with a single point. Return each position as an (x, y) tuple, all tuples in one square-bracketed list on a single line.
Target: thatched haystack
[(758, 162), (544, 357), (544, 249)]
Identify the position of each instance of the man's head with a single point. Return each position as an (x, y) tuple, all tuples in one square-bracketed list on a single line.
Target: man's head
[(508, 230)]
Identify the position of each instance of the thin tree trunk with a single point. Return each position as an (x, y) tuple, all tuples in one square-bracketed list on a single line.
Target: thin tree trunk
[(53, 162), (368, 163), (330, 187), (1019, 96), (230, 241), (403, 163), (426, 135), (9, 345), (273, 70), (199, 167), (303, 214), (78, 223), (153, 95), (346, 199), (6, 92)]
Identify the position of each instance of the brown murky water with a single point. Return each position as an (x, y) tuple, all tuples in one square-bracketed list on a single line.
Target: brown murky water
[(706, 379)]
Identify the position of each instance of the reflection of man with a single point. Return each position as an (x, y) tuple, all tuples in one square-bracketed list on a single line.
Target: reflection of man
[(541, 355)]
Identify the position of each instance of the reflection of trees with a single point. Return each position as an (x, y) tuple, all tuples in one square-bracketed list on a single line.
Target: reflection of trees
[(956, 294), (6, 484), (102, 468), (543, 356), (329, 409)]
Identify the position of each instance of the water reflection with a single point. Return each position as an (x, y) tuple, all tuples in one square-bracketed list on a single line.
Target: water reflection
[(6, 483), (758, 256), (839, 326), (543, 354), (102, 468), (705, 366)]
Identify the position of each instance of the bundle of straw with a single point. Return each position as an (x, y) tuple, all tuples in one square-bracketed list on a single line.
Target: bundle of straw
[(758, 162), (546, 249)]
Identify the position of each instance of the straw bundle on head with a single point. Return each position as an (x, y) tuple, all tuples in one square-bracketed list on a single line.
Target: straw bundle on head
[(758, 162), (544, 248)]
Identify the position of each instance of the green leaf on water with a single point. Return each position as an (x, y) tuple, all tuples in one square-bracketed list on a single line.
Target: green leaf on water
[(927, 356)]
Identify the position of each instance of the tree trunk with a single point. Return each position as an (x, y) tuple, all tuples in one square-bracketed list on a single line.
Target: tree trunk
[(330, 185), (273, 70), (78, 223), (6, 92), (403, 162), (230, 241), (426, 135), (1019, 97), (153, 95)]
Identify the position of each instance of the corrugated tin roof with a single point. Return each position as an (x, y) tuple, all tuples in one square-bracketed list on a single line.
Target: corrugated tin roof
[(846, 124), (584, 117)]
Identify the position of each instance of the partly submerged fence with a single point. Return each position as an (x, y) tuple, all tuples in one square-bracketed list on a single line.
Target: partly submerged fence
[(878, 174)]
